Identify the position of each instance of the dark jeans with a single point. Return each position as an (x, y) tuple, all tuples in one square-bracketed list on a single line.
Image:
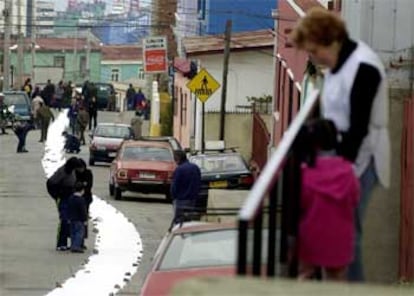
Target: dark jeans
[(368, 180), (63, 233), (21, 136), (43, 132), (92, 116), (183, 210), (77, 234)]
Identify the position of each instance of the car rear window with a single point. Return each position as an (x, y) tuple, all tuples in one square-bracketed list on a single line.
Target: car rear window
[(206, 249), (147, 153), (219, 163), (15, 99), (211, 248), (121, 132)]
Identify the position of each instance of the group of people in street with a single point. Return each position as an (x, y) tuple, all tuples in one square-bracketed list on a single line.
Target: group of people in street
[(71, 188), (83, 110), (137, 102)]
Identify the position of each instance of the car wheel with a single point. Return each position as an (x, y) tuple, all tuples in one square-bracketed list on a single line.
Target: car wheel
[(91, 160), (111, 189), (118, 193)]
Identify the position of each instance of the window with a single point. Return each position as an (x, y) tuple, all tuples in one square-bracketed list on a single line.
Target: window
[(115, 74), (59, 61), (141, 74), (82, 66)]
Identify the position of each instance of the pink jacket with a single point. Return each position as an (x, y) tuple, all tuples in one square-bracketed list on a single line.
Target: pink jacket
[(330, 194)]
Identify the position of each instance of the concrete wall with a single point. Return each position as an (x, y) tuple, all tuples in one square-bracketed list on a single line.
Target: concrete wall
[(250, 74), (382, 224), (238, 131)]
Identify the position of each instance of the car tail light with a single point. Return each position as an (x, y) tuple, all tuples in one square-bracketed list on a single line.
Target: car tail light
[(246, 180), (122, 174), (93, 146)]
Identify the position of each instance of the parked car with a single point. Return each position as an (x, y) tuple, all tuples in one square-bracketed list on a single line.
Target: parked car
[(226, 170), (104, 91), (194, 249), (142, 166), (19, 102), (175, 145), (106, 139)]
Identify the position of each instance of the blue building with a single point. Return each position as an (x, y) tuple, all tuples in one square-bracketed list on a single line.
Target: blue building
[(246, 15), (128, 30)]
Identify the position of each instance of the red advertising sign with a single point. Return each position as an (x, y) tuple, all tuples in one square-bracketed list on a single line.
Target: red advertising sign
[(155, 54)]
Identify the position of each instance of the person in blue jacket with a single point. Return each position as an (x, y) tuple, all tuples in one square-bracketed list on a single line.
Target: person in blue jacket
[(185, 186)]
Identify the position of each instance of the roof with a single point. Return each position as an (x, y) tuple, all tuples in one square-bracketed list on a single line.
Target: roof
[(239, 41), (121, 52), (308, 4), (59, 44)]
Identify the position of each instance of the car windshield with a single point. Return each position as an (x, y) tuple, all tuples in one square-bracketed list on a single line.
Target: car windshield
[(104, 89), (147, 153), (15, 99), (219, 163), (121, 132), (205, 249), (210, 248)]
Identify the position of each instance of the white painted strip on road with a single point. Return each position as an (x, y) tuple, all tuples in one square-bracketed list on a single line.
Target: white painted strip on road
[(118, 246), (54, 156), (119, 252)]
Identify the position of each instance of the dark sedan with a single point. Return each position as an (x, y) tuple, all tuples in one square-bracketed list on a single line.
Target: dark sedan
[(222, 171)]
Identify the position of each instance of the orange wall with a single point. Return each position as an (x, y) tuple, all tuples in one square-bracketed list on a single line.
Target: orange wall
[(183, 110)]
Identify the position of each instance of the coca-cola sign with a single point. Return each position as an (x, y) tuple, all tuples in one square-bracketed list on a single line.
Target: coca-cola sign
[(155, 54)]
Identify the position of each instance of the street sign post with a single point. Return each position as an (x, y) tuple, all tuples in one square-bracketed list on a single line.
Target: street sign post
[(203, 85)]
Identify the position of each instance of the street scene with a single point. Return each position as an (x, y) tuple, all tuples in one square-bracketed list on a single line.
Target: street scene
[(217, 147)]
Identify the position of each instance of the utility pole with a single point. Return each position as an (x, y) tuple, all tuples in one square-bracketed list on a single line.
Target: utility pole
[(227, 39), (411, 78), (33, 42), (6, 45), (20, 57), (88, 54)]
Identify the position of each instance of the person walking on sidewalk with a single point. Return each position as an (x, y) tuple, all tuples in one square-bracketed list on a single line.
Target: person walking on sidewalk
[(78, 216), (60, 187), (355, 98), (45, 116), (21, 128), (84, 175), (82, 121), (185, 186)]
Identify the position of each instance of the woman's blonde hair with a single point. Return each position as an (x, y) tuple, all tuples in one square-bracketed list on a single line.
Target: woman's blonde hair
[(319, 26)]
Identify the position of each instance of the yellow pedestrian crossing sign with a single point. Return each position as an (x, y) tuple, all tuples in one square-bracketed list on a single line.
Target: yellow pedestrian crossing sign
[(203, 85)]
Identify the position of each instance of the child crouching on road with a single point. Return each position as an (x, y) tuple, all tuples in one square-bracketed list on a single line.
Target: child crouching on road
[(330, 193), (78, 217)]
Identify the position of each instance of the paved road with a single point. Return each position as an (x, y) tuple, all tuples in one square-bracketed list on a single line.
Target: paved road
[(29, 264)]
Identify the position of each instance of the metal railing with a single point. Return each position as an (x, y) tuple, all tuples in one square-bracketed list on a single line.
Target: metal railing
[(280, 176)]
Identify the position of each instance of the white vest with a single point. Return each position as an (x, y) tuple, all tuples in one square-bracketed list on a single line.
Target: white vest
[(336, 106)]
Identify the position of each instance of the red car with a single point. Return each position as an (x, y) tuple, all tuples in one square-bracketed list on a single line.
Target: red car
[(142, 166), (190, 250)]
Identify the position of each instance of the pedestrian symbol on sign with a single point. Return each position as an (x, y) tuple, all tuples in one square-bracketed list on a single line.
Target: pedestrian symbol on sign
[(203, 85)]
